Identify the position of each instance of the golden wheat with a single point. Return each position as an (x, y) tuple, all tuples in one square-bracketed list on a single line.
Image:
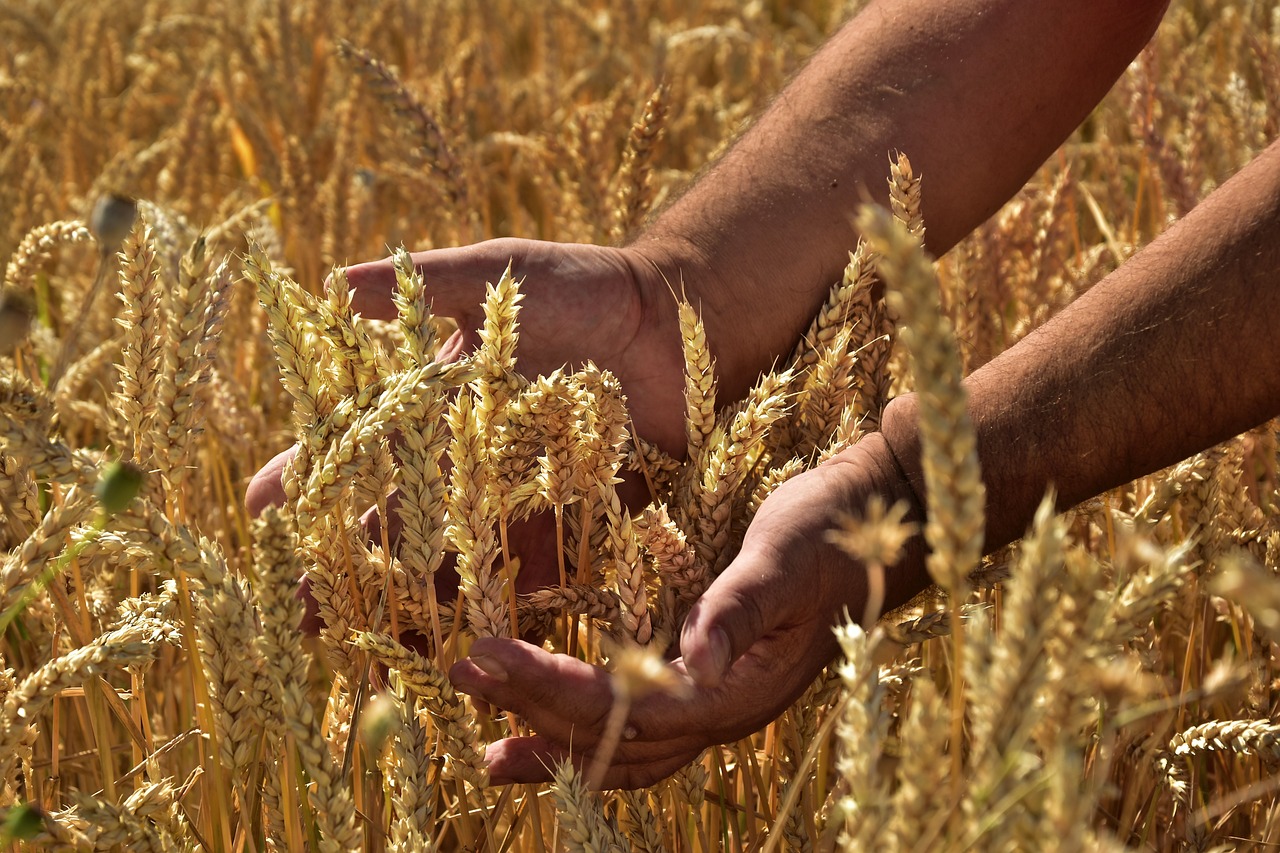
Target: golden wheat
[(1115, 688)]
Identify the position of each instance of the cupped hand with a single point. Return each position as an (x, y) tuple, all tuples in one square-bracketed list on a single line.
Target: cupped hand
[(752, 644), (581, 303), (533, 540)]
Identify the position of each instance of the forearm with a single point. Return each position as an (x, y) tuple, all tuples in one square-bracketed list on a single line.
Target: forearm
[(1170, 354), (978, 93)]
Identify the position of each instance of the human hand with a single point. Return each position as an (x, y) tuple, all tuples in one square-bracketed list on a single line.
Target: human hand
[(754, 641), (581, 303), (533, 540)]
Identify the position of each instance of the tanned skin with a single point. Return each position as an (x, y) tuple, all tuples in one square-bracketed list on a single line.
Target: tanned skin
[(1135, 375)]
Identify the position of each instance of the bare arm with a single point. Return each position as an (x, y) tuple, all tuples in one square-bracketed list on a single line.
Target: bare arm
[(1168, 355), (977, 92)]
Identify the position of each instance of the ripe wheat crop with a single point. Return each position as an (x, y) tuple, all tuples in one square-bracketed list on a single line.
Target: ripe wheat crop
[(1107, 682)]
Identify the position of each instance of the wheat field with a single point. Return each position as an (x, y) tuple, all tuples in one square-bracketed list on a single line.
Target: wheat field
[(179, 179)]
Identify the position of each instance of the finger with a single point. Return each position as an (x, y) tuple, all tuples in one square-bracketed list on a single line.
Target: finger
[(266, 488), (523, 760), (459, 344), (561, 697), (568, 700), (455, 279), (738, 609)]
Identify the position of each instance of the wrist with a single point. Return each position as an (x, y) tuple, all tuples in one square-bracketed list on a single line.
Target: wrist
[(899, 431), (873, 464), (746, 332)]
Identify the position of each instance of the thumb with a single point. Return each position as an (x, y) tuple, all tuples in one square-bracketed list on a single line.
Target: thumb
[(737, 610)]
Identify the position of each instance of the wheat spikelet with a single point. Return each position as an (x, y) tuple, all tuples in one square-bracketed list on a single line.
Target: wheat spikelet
[(922, 771), (658, 467), (405, 771), (142, 351), (873, 338), (904, 196), (499, 335), (238, 684), (19, 502), (1169, 487), (26, 422), (407, 396), (862, 731), (1013, 667), (699, 383), (339, 714), (920, 629), (175, 547), (471, 518), (418, 123), (273, 819), (152, 613), (604, 431), (799, 730), (44, 544), (37, 247), (292, 341), (517, 465), (638, 824), (673, 557), (376, 479), (769, 483), (454, 722), (728, 458), (634, 194), (414, 312), (172, 234), (956, 495), (60, 832), (628, 568), (1133, 606), (196, 314), (559, 412), (581, 815), (828, 391), (422, 488), (1242, 737), (275, 559), (1250, 582), (147, 820), (539, 609), (125, 647), (355, 357), (328, 584), (1238, 519)]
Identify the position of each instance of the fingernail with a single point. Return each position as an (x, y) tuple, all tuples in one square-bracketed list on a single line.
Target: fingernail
[(493, 765), (719, 643), (711, 672), (490, 667)]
